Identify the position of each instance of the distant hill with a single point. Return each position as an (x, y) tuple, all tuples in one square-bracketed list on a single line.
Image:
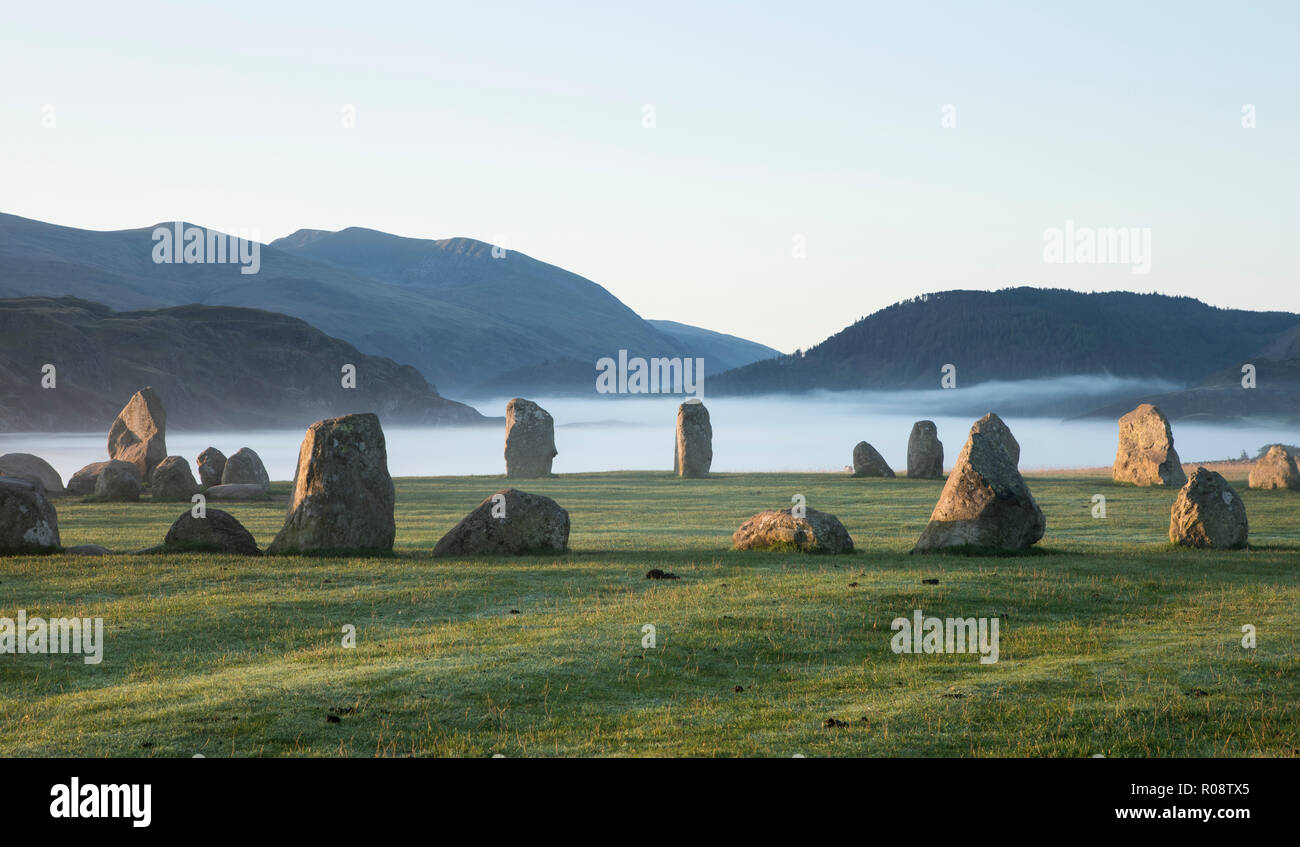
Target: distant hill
[(1019, 334), (450, 307), (1221, 395), (1283, 347), (720, 352), (523, 311), (214, 366), (573, 376)]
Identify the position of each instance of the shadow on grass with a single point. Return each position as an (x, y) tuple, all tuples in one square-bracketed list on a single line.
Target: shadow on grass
[(973, 551), (677, 555), (1169, 547)]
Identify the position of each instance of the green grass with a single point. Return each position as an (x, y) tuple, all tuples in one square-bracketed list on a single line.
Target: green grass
[(1108, 635)]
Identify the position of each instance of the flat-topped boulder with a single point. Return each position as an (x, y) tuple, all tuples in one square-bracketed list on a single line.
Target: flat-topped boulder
[(924, 452), (237, 491), (342, 497), (1208, 513), (33, 469), (211, 464), (1146, 454), (28, 522), (693, 455), (985, 505), (244, 467), (782, 531), (216, 532), (530, 440), (508, 522), (139, 434), (117, 482), (1275, 469), (868, 462), (173, 480)]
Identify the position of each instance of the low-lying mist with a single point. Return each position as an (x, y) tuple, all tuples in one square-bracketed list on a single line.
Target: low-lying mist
[(808, 432)]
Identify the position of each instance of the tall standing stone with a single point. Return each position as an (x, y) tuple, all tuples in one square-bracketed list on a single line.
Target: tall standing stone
[(985, 503), (1208, 513), (1146, 454), (342, 494), (530, 440), (694, 454), (139, 434), (924, 452)]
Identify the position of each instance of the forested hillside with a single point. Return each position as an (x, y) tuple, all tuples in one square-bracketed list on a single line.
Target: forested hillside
[(1020, 333)]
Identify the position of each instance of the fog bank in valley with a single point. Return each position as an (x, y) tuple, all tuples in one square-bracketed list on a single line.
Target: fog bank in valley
[(808, 432)]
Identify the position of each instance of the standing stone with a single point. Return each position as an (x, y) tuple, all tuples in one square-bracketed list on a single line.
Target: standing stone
[(216, 532), (342, 494), (173, 480), (510, 521), (1002, 432), (28, 522), (1208, 513), (83, 481), (924, 452), (1275, 469), (783, 532), (139, 434), (1146, 454), (530, 440), (117, 482), (985, 503), (868, 462), (694, 454), (33, 469), (212, 463), (244, 467)]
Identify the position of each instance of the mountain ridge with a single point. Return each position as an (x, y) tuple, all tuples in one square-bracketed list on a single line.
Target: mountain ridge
[(214, 366), (449, 307), (1019, 333)]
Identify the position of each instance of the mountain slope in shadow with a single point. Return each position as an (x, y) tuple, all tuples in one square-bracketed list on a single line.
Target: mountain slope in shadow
[(455, 309), (216, 367), (1224, 395)]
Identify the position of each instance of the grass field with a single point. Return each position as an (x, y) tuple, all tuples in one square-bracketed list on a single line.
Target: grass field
[(1112, 642)]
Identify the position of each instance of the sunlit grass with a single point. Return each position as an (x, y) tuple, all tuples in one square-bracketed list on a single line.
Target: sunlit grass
[(1108, 636)]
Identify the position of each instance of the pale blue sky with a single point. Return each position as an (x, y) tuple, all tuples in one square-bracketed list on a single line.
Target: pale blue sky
[(523, 122)]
